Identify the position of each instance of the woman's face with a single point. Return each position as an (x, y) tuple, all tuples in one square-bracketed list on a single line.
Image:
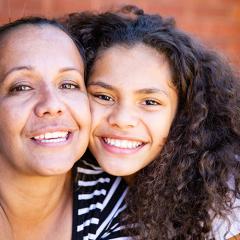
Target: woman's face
[(44, 109), (133, 104)]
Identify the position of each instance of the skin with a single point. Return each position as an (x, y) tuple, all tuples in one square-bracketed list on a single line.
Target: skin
[(42, 93), (133, 104)]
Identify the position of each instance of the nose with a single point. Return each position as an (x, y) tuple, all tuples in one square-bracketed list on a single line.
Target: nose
[(49, 104), (123, 117)]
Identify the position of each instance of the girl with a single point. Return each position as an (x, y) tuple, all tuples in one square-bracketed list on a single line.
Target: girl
[(166, 116)]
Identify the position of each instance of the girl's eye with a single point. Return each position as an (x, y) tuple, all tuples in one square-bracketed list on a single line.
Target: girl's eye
[(103, 97), (69, 86), (151, 102), (20, 88)]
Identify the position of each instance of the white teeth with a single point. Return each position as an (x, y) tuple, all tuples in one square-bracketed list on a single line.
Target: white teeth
[(52, 137), (53, 140), (122, 143)]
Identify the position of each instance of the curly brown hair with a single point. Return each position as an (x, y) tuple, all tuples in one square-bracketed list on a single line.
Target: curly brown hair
[(196, 176)]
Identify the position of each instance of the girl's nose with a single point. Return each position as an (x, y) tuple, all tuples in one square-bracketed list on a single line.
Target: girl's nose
[(123, 117)]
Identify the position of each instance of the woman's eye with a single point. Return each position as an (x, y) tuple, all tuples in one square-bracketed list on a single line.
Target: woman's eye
[(69, 86), (151, 102), (20, 88)]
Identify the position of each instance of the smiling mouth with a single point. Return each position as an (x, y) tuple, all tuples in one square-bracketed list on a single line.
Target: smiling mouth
[(52, 137), (124, 144)]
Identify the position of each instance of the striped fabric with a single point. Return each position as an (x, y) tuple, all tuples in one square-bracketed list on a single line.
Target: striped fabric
[(98, 201)]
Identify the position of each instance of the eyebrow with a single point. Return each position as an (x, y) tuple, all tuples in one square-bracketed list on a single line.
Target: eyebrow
[(101, 84), (140, 91), (152, 90), (29, 68), (15, 69), (70, 69)]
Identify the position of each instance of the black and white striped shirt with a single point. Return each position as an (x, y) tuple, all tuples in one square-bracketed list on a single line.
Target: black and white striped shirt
[(98, 201)]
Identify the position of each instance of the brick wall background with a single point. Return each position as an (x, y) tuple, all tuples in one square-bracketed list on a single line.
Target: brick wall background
[(215, 22)]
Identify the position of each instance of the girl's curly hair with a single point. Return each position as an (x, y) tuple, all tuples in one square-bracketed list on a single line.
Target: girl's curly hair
[(196, 176)]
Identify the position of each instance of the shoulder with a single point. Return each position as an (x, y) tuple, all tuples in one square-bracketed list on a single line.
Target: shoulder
[(99, 199), (92, 179), (230, 227)]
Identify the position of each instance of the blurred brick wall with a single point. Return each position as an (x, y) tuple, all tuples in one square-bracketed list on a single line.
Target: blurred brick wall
[(215, 22)]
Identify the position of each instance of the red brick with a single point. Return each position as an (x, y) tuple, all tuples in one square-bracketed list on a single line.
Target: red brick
[(215, 22)]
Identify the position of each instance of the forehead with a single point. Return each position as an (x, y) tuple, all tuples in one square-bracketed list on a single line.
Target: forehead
[(139, 64), (29, 44), (31, 32), (137, 50), (29, 36)]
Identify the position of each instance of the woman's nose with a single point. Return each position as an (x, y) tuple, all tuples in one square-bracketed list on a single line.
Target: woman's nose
[(49, 104)]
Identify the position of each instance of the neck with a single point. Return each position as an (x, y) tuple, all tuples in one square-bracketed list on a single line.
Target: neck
[(30, 201), (130, 179)]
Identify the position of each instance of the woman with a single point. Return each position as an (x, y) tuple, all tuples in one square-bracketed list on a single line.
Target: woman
[(165, 115), (44, 130)]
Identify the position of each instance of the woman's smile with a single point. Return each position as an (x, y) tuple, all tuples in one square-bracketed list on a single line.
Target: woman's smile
[(48, 138), (44, 103)]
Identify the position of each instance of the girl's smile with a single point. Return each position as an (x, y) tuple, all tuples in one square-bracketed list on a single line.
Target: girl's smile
[(133, 104)]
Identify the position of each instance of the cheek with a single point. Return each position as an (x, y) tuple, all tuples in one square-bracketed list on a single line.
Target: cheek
[(160, 125), (14, 116), (98, 114), (81, 111), (8, 125)]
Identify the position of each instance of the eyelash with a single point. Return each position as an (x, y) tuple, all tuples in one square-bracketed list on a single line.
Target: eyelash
[(20, 88), (147, 102), (69, 86), (103, 97), (152, 102), (26, 88)]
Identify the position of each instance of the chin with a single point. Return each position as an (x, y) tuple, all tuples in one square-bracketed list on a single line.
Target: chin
[(57, 168), (53, 172), (117, 170)]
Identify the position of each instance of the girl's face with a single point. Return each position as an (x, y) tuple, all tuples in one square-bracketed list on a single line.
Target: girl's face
[(133, 104), (44, 109)]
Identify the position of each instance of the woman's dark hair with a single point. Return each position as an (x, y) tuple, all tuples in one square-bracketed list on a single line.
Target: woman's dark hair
[(196, 176), (40, 21)]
